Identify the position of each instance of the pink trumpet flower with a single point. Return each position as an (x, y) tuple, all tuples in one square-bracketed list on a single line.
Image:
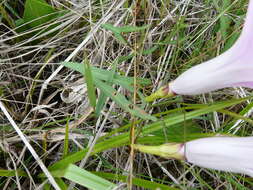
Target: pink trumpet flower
[(231, 154), (233, 68)]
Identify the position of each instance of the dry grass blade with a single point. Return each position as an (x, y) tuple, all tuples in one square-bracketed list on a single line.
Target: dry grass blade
[(30, 148)]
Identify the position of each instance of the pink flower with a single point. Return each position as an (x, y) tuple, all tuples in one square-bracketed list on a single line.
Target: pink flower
[(231, 69), (231, 154)]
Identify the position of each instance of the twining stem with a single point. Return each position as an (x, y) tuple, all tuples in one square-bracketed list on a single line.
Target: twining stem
[(132, 129)]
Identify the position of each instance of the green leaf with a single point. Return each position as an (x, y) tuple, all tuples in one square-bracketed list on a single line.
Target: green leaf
[(10, 173), (4, 14), (38, 12), (122, 101), (236, 116), (101, 102), (133, 28), (180, 132), (120, 38), (90, 85), (123, 29), (150, 51), (233, 37), (224, 26), (126, 82), (102, 97), (158, 140), (83, 177), (61, 183), (136, 181), (103, 74), (126, 29), (66, 139), (229, 124)]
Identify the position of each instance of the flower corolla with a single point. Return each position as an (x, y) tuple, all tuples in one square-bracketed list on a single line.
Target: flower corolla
[(230, 154), (233, 68)]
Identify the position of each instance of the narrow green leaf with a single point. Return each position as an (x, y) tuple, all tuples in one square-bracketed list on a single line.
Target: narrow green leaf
[(190, 115), (158, 140), (10, 173), (180, 132), (244, 111), (110, 27), (90, 84), (236, 116), (126, 82), (224, 26), (136, 181), (66, 140), (120, 38), (122, 101), (84, 178), (133, 28), (117, 31), (150, 50), (100, 104), (39, 12), (102, 97), (4, 14), (103, 74), (126, 29), (61, 183)]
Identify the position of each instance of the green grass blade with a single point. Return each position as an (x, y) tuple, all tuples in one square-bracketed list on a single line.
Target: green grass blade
[(117, 31), (236, 116), (244, 111), (84, 178), (66, 140), (136, 181), (4, 14), (126, 29), (61, 183), (10, 173)]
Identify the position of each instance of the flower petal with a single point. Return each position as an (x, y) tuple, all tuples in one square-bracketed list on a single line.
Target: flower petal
[(232, 154), (204, 77), (232, 68), (244, 84), (245, 39)]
